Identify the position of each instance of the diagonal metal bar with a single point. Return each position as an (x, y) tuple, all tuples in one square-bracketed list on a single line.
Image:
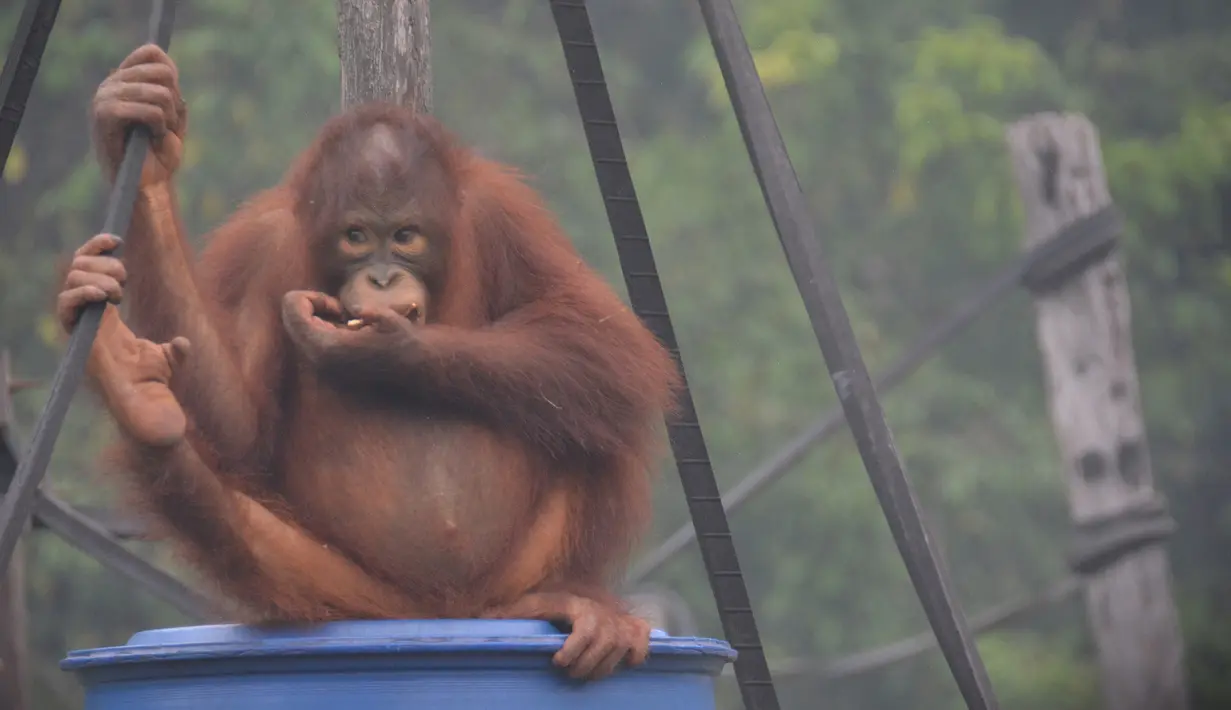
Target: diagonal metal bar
[(93, 539), (120, 526), (87, 535), (949, 327), (645, 293), (831, 324), (18, 503), (21, 67)]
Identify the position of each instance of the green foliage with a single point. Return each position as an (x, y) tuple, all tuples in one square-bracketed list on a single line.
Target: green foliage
[(1054, 681), (894, 112)]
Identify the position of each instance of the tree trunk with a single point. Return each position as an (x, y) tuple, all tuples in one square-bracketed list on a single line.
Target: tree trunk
[(385, 52), (1085, 339)]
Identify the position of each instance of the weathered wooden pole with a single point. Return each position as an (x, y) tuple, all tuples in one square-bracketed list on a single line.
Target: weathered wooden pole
[(14, 681), (385, 52), (1084, 335)]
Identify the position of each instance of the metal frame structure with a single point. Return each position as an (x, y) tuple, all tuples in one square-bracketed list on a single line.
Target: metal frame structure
[(645, 293), (21, 472), (785, 200), (848, 372), (23, 492), (21, 67)]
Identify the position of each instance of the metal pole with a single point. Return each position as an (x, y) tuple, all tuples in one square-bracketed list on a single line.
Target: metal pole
[(21, 67), (18, 504), (849, 373), (645, 293)]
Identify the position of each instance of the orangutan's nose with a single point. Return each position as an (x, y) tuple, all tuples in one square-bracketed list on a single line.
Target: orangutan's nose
[(382, 277)]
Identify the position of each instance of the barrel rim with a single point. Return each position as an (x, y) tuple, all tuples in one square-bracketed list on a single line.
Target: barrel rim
[(350, 638)]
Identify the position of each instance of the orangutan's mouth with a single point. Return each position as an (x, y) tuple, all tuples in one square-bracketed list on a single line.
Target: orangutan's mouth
[(414, 314)]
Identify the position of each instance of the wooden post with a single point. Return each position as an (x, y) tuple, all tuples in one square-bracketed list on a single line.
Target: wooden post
[(385, 52), (14, 683), (1084, 335)]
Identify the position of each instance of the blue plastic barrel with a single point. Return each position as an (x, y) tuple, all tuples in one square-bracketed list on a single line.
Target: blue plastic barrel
[(384, 665)]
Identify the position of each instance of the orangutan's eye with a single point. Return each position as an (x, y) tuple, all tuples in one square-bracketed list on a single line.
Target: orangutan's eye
[(410, 240), (355, 235)]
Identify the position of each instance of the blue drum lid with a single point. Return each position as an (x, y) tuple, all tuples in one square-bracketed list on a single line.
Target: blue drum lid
[(367, 638)]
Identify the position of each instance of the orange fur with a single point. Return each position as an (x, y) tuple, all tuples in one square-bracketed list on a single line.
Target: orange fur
[(504, 451)]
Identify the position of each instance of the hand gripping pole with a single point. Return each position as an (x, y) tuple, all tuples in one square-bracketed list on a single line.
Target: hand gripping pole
[(18, 504)]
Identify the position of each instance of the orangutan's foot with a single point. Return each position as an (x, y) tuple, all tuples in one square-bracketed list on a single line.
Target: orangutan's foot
[(133, 377), (601, 636)]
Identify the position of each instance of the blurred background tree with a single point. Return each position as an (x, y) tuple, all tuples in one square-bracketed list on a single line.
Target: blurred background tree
[(894, 112)]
